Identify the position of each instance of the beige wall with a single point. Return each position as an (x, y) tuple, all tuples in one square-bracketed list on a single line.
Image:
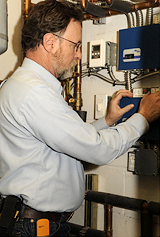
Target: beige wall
[(113, 178), (11, 59)]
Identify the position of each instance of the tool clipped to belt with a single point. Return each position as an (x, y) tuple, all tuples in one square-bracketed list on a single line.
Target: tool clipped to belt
[(10, 212)]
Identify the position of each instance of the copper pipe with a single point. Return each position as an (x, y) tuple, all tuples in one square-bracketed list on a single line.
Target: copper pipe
[(89, 17), (27, 4), (83, 4), (109, 2), (109, 12), (26, 8), (145, 206), (145, 5), (78, 86), (108, 220)]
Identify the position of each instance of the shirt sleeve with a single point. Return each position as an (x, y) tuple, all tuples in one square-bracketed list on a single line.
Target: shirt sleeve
[(100, 124), (46, 115)]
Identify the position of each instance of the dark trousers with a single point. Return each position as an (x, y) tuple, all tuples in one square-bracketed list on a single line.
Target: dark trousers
[(27, 228)]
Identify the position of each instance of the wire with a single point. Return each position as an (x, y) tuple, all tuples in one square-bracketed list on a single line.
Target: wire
[(114, 81)]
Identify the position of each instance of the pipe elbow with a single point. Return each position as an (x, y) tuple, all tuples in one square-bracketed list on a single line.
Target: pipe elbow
[(83, 4)]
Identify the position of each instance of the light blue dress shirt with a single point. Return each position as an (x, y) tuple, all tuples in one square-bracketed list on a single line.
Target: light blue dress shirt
[(42, 141)]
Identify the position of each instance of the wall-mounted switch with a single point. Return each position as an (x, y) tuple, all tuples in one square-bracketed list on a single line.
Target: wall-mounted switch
[(101, 102)]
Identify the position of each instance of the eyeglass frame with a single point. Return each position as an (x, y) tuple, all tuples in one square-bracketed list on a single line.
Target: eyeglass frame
[(77, 45)]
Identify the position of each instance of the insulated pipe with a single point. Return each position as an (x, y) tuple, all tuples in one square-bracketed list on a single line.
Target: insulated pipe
[(98, 11), (115, 200), (123, 202), (93, 9), (85, 231), (146, 210), (154, 208), (121, 6), (146, 214), (146, 221)]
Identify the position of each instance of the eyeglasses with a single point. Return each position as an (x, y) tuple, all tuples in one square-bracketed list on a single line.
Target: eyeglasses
[(77, 45)]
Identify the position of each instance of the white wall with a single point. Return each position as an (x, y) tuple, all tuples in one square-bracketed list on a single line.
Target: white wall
[(113, 178)]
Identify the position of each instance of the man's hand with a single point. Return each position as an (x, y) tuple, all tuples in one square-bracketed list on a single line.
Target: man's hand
[(150, 106), (114, 112)]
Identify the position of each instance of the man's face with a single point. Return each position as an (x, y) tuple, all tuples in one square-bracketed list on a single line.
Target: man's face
[(66, 56)]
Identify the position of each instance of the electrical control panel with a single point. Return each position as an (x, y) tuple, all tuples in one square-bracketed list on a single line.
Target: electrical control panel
[(102, 53), (126, 101), (139, 47), (140, 92), (143, 162), (96, 53), (145, 159), (154, 132), (111, 53)]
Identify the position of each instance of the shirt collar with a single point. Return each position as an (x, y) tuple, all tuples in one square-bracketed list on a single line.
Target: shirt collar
[(42, 72)]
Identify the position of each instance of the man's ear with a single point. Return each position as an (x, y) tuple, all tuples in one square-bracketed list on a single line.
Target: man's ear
[(48, 42)]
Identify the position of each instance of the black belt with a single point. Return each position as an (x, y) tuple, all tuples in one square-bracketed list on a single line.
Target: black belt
[(53, 216), (28, 212)]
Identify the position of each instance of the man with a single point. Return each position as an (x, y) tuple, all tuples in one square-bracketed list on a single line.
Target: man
[(43, 141)]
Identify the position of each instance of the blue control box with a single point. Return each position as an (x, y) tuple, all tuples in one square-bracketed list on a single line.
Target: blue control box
[(154, 127), (139, 47), (126, 101)]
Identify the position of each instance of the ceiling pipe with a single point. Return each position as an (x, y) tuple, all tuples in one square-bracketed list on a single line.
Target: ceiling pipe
[(98, 10), (145, 5), (92, 10), (109, 2)]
